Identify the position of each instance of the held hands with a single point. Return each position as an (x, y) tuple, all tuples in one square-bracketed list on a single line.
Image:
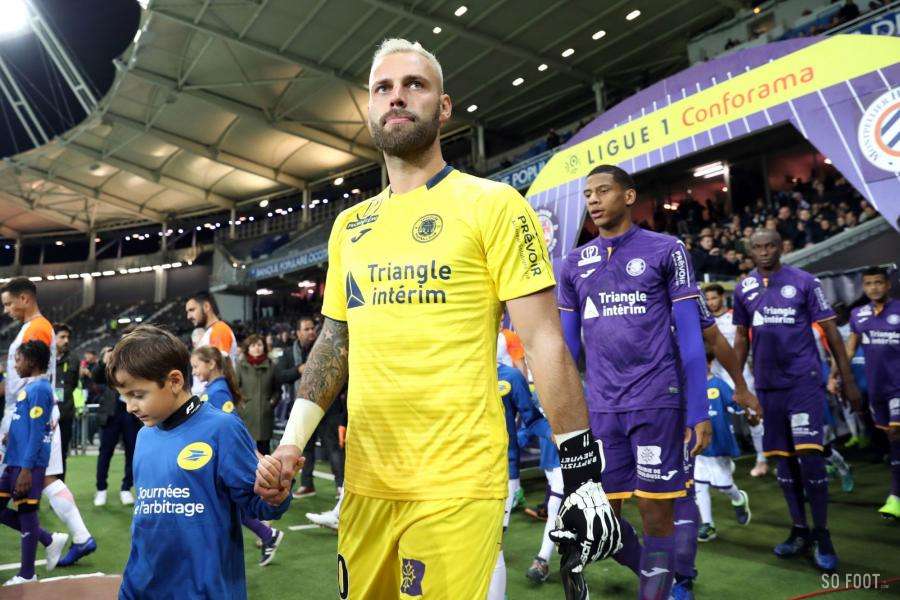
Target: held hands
[(703, 433), (275, 474), (743, 397), (852, 395)]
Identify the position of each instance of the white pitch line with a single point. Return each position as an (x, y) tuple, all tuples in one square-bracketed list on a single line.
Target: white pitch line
[(11, 566), (323, 475), (302, 527)]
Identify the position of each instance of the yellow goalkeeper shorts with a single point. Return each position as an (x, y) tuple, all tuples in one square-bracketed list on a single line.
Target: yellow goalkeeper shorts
[(429, 549)]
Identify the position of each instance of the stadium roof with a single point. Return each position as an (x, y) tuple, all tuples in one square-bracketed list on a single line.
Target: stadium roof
[(221, 102)]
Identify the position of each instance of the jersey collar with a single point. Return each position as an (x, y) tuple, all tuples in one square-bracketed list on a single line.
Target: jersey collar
[(435, 179), (186, 411), (610, 244)]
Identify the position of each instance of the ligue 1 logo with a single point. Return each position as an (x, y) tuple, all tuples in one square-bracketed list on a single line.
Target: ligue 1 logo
[(879, 132), (572, 164), (549, 226)]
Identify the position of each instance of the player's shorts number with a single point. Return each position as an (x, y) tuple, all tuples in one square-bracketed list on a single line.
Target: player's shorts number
[(343, 578)]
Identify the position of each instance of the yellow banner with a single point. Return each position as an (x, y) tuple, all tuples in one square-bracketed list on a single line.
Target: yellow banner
[(815, 67)]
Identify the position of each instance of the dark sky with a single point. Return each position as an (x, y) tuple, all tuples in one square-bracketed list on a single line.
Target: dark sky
[(96, 32)]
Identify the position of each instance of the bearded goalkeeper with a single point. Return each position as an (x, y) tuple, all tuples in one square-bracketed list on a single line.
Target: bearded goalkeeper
[(417, 279)]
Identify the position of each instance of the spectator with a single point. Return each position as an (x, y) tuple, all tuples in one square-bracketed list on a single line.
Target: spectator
[(256, 377), (786, 225), (116, 423), (868, 212), (787, 246), (67, 371), (706, 258), (847, 12), (552, 139)]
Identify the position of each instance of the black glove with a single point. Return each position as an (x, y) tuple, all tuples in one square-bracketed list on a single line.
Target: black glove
[(587, 529)]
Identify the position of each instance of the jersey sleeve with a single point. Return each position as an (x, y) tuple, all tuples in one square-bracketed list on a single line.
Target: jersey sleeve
[(680, 274), (517, 259), (739, 315), (221, 337), (567, 296), (334, 304), (854, 322), (41, 330), (817, 303), (514, 345), (237, 471), (728, 399)]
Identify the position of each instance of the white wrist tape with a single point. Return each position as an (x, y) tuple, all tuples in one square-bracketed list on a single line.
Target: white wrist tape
[(304, 419)]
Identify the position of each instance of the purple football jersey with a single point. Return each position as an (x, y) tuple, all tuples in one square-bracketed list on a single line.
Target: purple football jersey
[(879, 336), (780, 313), (623, 289)]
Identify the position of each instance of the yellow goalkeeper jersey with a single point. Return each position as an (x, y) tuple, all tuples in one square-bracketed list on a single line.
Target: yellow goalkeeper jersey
[(420, 279)]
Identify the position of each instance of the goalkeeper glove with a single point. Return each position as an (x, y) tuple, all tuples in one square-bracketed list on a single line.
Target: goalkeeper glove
[(587, 529)]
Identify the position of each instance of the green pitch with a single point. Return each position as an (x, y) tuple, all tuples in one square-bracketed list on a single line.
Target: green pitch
[(738, 565)]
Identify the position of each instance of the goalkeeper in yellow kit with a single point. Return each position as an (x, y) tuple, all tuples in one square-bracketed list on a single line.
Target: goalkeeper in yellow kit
[(417, 278)]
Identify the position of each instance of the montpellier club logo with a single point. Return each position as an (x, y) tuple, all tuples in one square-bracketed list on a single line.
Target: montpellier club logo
[(879, 131)]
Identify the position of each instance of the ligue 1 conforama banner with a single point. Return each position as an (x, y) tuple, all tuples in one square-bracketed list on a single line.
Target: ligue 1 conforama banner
[(842, 93)]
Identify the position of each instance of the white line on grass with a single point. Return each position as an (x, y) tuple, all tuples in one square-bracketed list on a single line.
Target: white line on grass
[(302, 527), (11, 566)]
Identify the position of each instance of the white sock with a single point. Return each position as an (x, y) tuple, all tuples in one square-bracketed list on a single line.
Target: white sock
[(337, 507), (838, 462), (704, 503), (63, 503), (850, 418), (554, 478), (513, 486), (497, 591), (734, 494), (756, 434)]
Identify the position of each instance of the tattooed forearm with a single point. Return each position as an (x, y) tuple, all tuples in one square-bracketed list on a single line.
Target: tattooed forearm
[(326, 368)]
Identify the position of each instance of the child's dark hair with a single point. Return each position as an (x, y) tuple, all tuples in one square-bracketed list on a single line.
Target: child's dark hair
[(252, 339), (37, 353), (214, 355), (149, 353)]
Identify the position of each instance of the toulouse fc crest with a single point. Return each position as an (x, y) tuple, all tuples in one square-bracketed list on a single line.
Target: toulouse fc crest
[(548, 224)]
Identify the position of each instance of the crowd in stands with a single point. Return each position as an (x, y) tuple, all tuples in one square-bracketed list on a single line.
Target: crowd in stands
[(806, 213), (848, 11)]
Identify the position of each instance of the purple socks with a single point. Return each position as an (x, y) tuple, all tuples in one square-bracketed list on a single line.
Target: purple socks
[(790, 480), (687, 522), (657, 564), (815, 482), (262, 531), (895, 468), (630, 554), (30, 533), (10, 518)]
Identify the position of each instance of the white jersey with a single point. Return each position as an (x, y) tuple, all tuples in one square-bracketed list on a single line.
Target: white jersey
[(36, 328), (726, 325), (503, 356), (218, 335)]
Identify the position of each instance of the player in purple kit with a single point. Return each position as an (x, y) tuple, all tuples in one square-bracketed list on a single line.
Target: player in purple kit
[(876, 326), (626, 290), (779, 303)]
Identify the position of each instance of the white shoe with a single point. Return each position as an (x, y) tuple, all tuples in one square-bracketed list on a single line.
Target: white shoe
[(54, 550), (327, 519), (17, 580), (126, 497), (100, 498)]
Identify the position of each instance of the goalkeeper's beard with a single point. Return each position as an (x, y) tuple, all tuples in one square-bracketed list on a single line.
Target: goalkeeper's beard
[(406, 141)]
